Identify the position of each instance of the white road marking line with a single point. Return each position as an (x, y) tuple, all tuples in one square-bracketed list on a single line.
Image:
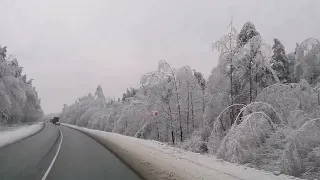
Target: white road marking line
[(54, 159)]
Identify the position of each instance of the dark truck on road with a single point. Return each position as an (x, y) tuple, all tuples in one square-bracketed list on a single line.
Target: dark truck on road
[(55, 121)]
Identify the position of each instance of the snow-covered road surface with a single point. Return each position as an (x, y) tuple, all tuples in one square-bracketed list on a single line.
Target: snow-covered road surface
[(13, 135), (158, 161)]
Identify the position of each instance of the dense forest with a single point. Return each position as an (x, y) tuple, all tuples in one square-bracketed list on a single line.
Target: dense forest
[(259, 107), (19, 102)]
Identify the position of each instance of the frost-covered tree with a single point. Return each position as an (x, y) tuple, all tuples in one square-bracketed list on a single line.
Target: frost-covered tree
[(191, 91), (202, 84), (307, 55), (130, 93), (243, 71), (99, 99), (3, 53), (94, 105), (303, 48), (292, 64), (19, 101), (254, 71), (99, 92), (65, 106), (247, 32), (165, 83), (312, 65), (249, 116), (227, 45), (317, 89), (280, 62), (247, 65)]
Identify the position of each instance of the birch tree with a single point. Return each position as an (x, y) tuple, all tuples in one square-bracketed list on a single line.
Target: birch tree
[(163, 85), (227, 46)]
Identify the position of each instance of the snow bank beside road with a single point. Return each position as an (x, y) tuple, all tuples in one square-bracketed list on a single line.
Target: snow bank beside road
[(12, 127), (157, 161), (14, 135)]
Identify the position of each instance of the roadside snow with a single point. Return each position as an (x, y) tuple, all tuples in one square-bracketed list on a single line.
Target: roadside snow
[(158, 161), (13, 135), (12, 127), (6, 128)]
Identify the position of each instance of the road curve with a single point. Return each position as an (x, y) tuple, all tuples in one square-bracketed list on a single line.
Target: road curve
[(79, 158)]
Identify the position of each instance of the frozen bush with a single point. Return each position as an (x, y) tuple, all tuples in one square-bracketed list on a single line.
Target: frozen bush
[(286, 98), (243, 142), (132, 118), (95, 120), (84, 119), (108, 123), (97, 124), (262, 107), (297, 118), (78, 113), (302, 150), (150, 130), (195, 144), (313, 161), (215, 106), (290, 161), (198, 141), (217, 134), (221, 126)]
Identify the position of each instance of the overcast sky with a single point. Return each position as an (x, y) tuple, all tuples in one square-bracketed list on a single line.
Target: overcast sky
[(71, 46)]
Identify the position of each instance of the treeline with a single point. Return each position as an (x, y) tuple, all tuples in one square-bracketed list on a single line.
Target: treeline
[(19, 102), (258, 107)]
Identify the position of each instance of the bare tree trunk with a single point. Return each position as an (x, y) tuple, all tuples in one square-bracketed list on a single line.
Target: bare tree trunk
[(172, 133), (250, 68), (231, 91), (256, 85), (181, 137), (203, 106), (203, 101), (250, 81), (231, 51), (172, 136), (179, 111), (192, 114), (167, 132), (158, 132), (318, 97), (188, 106)]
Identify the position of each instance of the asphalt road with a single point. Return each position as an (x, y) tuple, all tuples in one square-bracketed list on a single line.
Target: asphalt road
[(79, 158)]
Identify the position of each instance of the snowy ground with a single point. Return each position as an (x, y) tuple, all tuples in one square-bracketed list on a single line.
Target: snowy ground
[(13, 134), (6, 128), (12, 126), (155, 160)]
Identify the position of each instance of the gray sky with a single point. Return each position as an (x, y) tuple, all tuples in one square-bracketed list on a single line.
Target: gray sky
[(71, 46)]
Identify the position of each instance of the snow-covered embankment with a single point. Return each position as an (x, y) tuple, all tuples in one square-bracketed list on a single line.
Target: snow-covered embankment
[(12, 136), (157, 161)]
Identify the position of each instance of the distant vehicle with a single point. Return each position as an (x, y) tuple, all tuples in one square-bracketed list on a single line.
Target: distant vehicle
[(55, 121)]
